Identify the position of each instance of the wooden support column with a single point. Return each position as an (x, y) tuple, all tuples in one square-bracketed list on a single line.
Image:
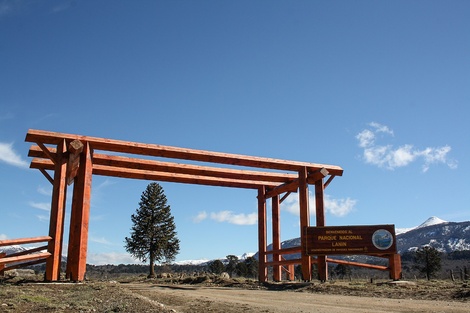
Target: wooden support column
[(291, 274), (78, 239), (276, 212), (394, 262), (56, 223), (262, 234), (320, 220), (2, 266), (304, 223)]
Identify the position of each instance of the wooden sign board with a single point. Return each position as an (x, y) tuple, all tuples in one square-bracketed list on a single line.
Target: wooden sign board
[(331, 240)]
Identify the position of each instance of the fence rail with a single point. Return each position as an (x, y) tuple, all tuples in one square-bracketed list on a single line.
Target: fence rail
[(23, 258)]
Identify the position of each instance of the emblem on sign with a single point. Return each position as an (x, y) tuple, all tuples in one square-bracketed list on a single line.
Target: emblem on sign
[(382, 239)]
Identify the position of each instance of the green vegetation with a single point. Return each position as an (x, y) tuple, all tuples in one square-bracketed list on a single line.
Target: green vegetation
[(428, 261), (153, 234)]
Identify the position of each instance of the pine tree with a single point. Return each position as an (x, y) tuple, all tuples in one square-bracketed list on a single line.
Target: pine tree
[(232, 263), (429, 261), (216, 267), (252, 267), (153, 234)]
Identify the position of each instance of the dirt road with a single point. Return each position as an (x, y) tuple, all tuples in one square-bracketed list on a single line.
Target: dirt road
[(184, 298)]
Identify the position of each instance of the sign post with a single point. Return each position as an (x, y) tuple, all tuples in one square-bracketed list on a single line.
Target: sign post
[(378, 240), (333, 240)]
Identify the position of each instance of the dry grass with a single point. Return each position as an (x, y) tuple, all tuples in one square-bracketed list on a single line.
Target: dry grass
[(32, 295)]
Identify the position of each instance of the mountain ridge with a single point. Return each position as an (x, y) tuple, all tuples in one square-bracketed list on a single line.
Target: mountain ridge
[(443, 235)]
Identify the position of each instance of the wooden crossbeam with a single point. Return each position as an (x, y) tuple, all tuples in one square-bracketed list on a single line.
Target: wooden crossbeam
[(163, 176), (288, 187), (46, 151), (27, 257), (312, 178), (153, 165), (47, 137), (365, 265), (25, 264), (20, 241), (29, 251)]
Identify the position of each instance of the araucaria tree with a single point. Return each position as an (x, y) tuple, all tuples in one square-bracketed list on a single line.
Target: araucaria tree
[(153, 233), (429, 261)]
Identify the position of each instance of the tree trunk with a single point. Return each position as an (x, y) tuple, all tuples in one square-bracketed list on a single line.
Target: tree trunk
[(152, 268)]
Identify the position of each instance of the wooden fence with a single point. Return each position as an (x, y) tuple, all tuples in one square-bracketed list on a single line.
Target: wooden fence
[(24, 258)]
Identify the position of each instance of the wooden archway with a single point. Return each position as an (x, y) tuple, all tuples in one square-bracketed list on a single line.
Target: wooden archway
[(74, 159)]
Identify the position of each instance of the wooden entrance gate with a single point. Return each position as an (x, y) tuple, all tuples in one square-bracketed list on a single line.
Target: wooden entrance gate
[(74, 159)]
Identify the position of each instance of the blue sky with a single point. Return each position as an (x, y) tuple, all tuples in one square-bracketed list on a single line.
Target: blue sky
[(380, 88)]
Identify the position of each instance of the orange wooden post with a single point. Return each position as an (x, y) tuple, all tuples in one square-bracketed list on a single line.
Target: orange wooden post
[(78, 239), (304, 223), (291, 275), (262, 234), (276, 211), (394, 261), (56, 224), (320, 220), (2, 266)]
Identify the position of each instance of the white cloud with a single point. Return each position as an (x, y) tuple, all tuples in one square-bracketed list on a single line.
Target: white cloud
[(379, 128), (3, 237), (111, 258), (9, 156), (200, 217), (291, 204), (43, 218), (366, 138), (237, 219), (389, 157), (101, 240), (227, 217), (336, 207), (339, 207), (45, 206)]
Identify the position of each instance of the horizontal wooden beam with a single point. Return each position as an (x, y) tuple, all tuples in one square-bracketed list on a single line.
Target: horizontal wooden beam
[(47, 137), (162, 176), (152, 165), (33, 250), (372, 266), (27, 257), (284, 262), (21, 241), (178, 178), (283, 251), (20, 265)]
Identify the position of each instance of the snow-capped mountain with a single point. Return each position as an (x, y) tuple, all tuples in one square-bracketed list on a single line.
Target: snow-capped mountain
[(12, 249), (433, 220), (445, 237)]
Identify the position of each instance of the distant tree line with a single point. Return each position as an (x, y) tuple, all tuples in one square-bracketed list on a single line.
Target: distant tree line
[(234, 267), (423, 263)]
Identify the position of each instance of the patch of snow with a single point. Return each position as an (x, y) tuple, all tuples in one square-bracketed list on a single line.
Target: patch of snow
[(399, 231), (191, 262), (433, 220), (246, 255)]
